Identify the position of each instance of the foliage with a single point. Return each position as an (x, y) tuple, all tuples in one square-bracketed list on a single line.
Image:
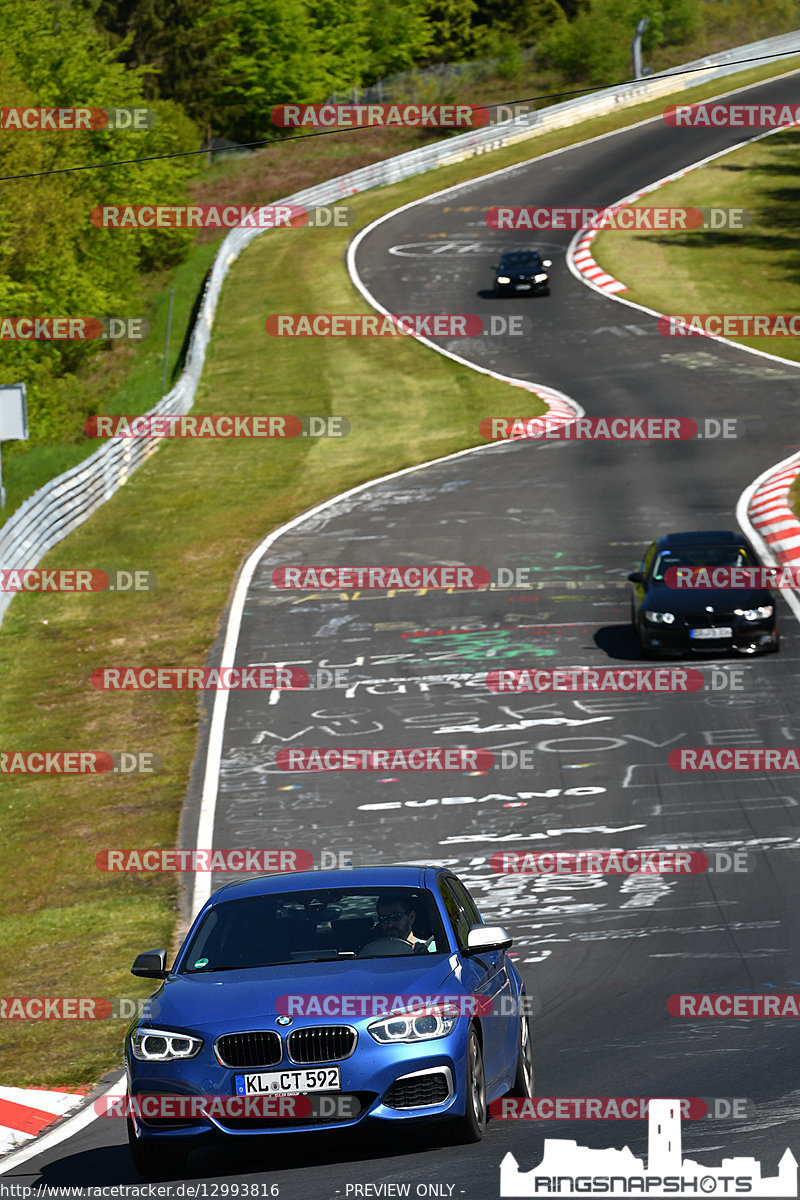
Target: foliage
[(55, 261)]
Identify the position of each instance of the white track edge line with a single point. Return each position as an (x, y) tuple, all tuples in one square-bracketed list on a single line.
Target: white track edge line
[(40, 1144)]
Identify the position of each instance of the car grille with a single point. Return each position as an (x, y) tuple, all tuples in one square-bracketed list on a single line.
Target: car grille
[(261, 1048), (704, 620), (321, 1043), (418, 1091)]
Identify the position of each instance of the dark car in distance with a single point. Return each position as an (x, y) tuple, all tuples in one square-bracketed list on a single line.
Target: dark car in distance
[(670, 620), (522, 272)]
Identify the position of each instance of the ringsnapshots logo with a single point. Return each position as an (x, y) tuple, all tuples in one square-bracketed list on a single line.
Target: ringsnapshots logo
[(573, 1170), (365, 116), (606, 429), (628, 217)]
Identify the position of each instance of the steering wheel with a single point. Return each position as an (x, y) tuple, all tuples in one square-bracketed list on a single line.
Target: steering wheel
[(424, 947), (386, 945)]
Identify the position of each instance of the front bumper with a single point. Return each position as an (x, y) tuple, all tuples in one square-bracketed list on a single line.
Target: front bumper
[(386, 1082), (753, 637), (522, 287)]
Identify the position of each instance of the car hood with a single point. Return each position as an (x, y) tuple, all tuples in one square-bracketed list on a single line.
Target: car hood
[(691, 600), (233, 1000)]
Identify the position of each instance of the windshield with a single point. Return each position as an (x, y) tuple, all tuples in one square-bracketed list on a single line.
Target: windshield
[(729, 555), (520, 258), (315, 926)]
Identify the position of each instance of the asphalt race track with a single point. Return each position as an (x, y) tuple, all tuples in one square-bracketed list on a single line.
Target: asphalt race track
[(601, 955)]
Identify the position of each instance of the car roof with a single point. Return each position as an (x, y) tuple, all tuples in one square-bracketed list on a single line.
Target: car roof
[(381, 878), (700, 538)]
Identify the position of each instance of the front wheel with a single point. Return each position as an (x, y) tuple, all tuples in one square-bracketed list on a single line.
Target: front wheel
[(153, 1161), (523, 1080), (472, 1126)]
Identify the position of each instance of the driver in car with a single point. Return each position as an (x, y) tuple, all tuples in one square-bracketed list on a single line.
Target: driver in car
[(395, 919)]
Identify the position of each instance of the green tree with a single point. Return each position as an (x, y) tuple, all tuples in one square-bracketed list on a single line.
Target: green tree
[(399, 36), (179, 47), (55, 260), (452, 32)]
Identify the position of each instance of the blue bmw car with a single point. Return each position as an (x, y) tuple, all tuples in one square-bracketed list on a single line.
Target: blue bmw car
[(326, 999)]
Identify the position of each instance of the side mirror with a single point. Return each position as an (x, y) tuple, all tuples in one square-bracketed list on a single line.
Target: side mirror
[(483, 938), (636, 577), (151, 965), (495, 266), (547, 262)]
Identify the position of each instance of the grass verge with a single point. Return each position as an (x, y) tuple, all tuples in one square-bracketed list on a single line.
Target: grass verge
[(130, 374), (749, 270), (752, 270), (190, 514)]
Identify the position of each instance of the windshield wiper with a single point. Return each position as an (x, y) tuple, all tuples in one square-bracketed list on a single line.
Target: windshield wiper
[(321, 955)]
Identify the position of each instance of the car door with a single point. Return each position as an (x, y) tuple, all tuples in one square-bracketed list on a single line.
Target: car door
[(484, 974)]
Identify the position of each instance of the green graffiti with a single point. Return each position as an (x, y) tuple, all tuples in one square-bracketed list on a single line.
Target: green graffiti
[(479, 646)]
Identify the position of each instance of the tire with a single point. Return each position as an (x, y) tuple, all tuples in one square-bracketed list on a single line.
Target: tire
[(154, 1161), (472, 1126), (523, 1085), (645, 653)]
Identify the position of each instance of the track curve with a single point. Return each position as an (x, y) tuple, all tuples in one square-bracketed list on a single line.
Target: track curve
[(601, 955)]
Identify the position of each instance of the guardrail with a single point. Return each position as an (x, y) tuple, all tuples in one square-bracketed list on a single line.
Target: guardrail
[(68, 500)]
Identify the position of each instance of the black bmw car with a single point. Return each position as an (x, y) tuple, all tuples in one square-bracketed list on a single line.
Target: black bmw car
[(522, 272), (680, 620)]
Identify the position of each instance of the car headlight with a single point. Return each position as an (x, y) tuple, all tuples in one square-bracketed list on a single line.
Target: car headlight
[(159, 1045), (539, 278), (660, 618), (755, 614), (503, 279), (416, 1024)]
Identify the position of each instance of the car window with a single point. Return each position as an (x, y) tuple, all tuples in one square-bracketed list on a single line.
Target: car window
[(702, 556), (316, 926), (467, 903), (523, 259), (459, 918)]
